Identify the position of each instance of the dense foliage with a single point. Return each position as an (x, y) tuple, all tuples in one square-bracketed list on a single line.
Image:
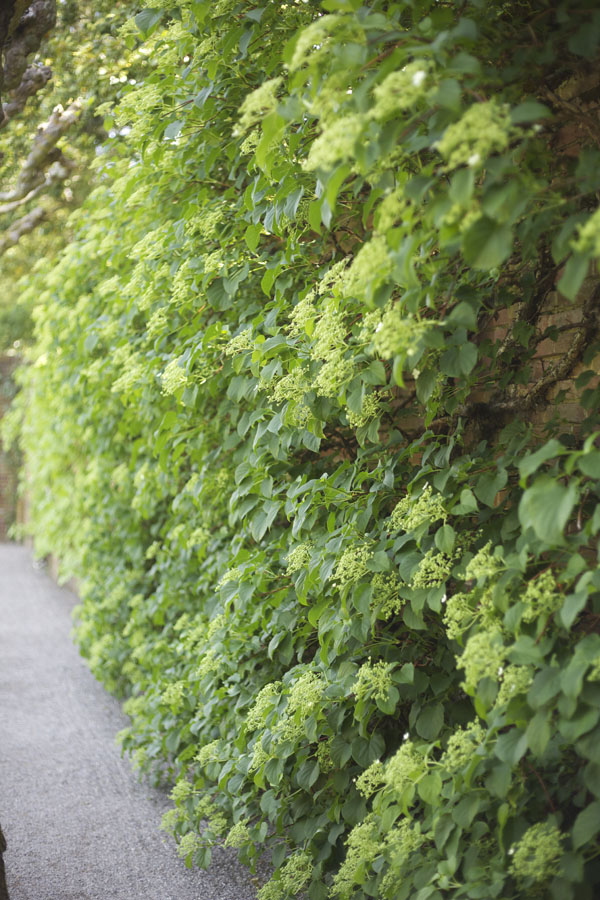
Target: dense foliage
[(287, 419)]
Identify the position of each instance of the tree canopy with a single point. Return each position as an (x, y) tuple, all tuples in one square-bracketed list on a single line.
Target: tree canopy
[(312, 414)]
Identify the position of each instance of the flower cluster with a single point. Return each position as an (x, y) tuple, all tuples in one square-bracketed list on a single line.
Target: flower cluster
[(374, 680), (412, 512), (461, 746), (397, 334), (404, 767), (482, 130), (386, 598), (482, 657), (515, 681), (182, 791), (208, 753), (363, 845), (189, 843), (292, 877), (266, 699), (401, 90), (483, 564), (258, 104), (238, 835), (352, 564), (370, 267), (459, 614), (433, 570), (402, 840), (541, 597), (173, 378), (370, 408), (314, 40), (371, 779), (239, 343), (303, 315), (336, 143), (173, 695), (298, 557), (390, 209), (537, 854), (333, 374)]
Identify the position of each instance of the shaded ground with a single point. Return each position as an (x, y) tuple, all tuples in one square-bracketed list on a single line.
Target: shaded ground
[(78, 824)]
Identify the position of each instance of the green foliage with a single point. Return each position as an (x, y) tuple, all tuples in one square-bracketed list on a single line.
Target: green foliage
[(353, 605)]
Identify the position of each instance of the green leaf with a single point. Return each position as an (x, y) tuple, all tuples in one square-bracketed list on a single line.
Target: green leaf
[(429, 788), (546, 507), (574, 275), (532, 461), (587, 825), (430, 722), (538, 733), (489, 484), (307, 774), (445, 538), (511, 746), (529, 111), (487, 244), (147, 19)]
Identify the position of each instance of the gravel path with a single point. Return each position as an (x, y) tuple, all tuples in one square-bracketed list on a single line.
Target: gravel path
[(79, 826)]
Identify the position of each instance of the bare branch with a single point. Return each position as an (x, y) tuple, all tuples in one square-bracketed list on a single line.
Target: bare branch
[(21, 227), (23, 25), (43, 153)]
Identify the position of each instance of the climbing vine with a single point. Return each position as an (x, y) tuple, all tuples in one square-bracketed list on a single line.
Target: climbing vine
[(312, 414)]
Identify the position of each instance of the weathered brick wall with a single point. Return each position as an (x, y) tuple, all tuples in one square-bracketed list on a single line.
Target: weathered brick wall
[(8, 460)]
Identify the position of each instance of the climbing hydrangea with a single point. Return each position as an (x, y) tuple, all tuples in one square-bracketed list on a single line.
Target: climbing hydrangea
[(411, 512), (537, 854), (482, 130), (482, 657), (373, 679), (461, 746), (352, 564)]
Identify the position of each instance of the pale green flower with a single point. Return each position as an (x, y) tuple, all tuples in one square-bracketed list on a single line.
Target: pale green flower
[(483, 564), (482, 130), (208, 753), (371, 779), (515, 680), (433, 570), (298, 557), (352, 564), (373, 679), (173, 378), (401, 90), (336, 143), (362, 845), (413, 511), (238, 835), (482, 657), (538, 852), (266, 699), (189, 843), (385, 594), (398, 334), (258, 104), (462, 745), (541, 597), (182, 791), (173, 695), (239, 343), (404, 768), (370, 408)]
